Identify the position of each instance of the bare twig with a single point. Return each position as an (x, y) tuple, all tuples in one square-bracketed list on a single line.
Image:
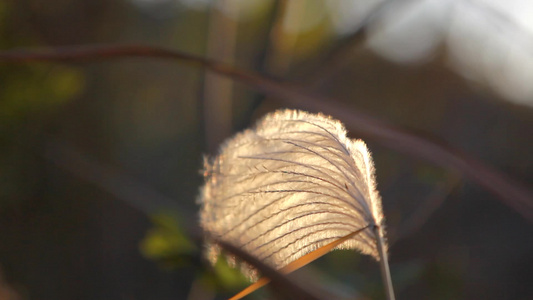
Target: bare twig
[(509, 191), (131, 191)]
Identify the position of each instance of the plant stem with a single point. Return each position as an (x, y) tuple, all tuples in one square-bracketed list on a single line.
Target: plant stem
[(384, 264)]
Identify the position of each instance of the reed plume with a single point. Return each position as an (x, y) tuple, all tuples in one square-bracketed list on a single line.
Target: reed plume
[(289, 186)]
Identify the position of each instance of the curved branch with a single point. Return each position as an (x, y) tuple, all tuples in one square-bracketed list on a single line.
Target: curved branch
[(511, 192)]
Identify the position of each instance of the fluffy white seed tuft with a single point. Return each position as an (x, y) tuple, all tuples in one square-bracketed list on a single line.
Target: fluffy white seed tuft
[(289, 186)]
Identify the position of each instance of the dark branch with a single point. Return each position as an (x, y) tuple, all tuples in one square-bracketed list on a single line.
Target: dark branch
[(283, 285), (510, 192)]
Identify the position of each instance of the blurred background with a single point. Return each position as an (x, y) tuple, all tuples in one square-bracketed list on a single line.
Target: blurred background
[(100, 161)]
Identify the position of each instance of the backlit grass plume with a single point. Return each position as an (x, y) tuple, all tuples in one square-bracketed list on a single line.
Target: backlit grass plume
[(289, 186)]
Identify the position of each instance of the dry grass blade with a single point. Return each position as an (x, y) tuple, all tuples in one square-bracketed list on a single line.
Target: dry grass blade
[(284, 285), (297, 264)]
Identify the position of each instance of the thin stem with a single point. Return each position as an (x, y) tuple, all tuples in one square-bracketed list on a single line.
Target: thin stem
[(384, 263)]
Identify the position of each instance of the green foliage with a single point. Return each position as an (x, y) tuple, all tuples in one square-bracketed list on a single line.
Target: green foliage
[(33, 87), (36, 88), (445, 280), (166, 242), (27, 92), (168, 245), (227, 277)]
